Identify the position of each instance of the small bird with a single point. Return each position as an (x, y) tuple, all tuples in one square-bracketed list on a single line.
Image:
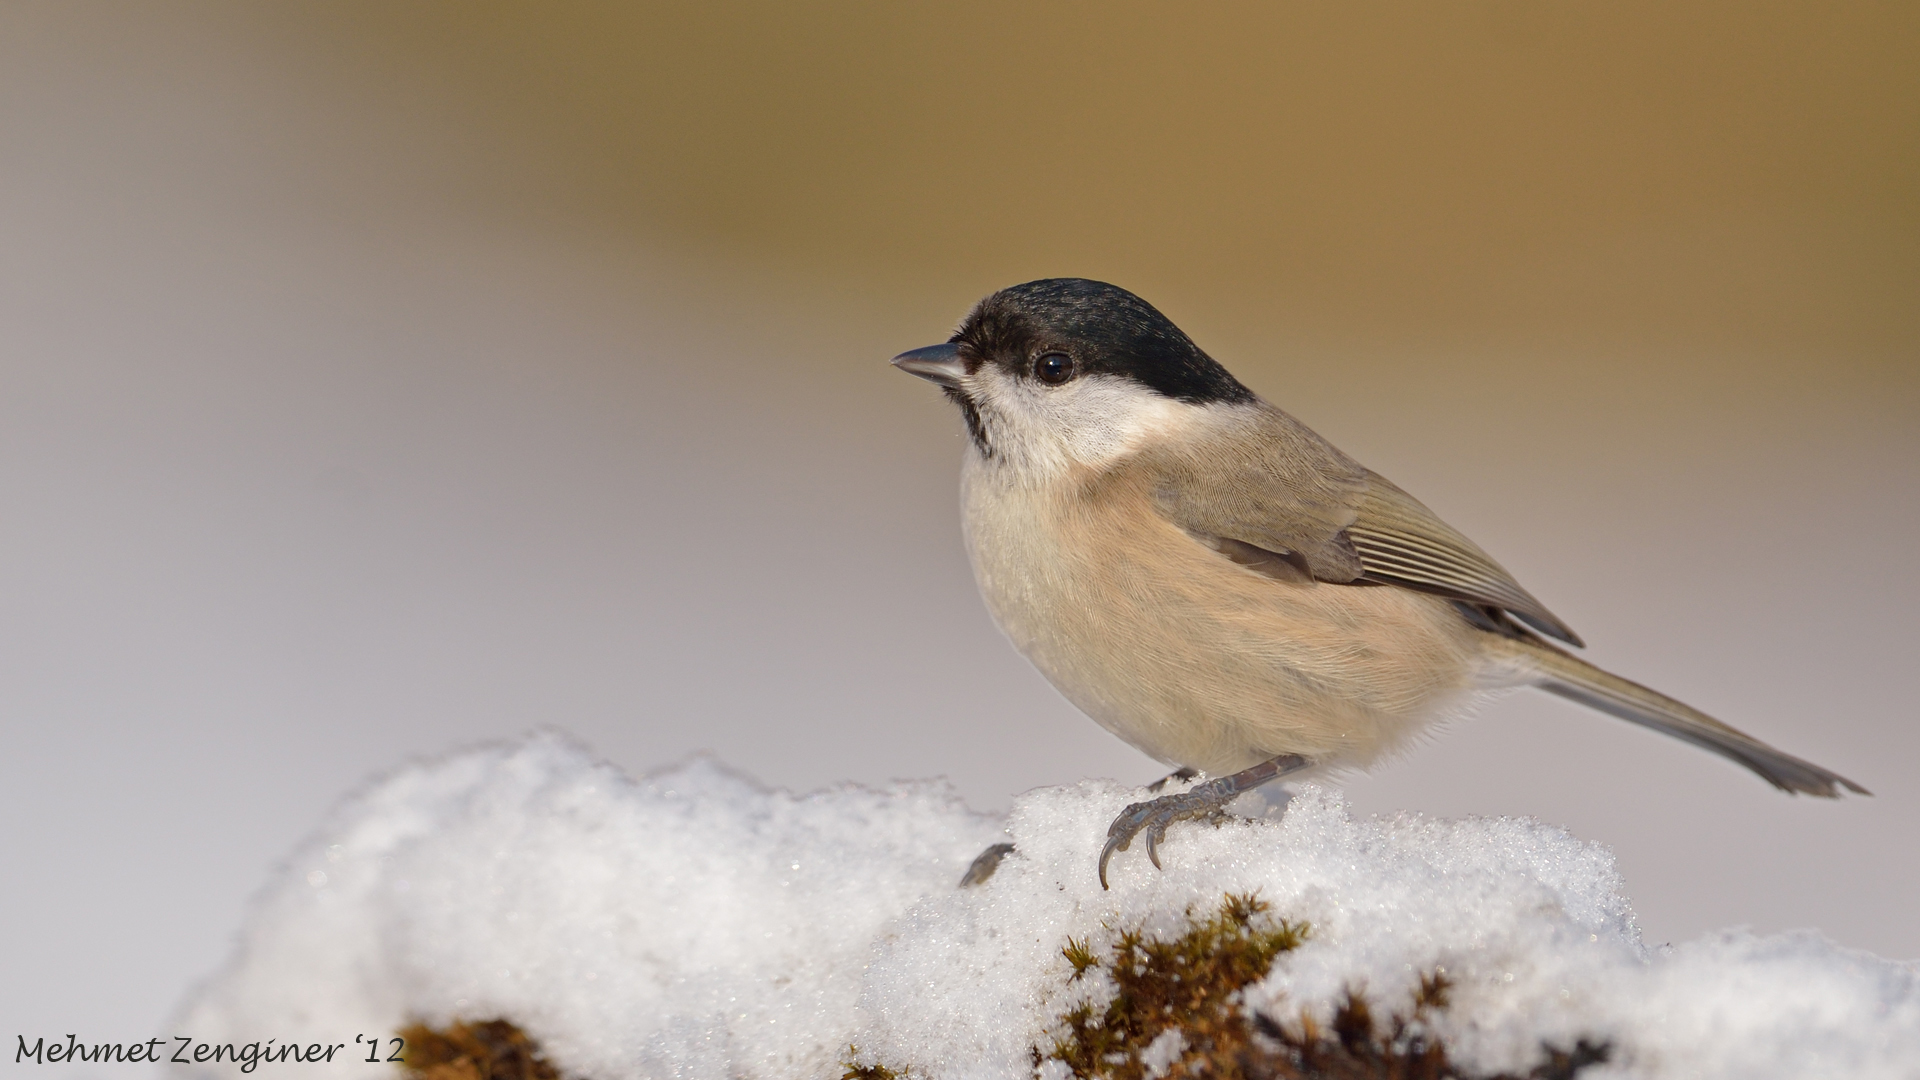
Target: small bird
[(1219, 586)]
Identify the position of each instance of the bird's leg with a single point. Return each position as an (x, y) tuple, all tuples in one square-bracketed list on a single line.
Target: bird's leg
[(1153, 816), (1183, 773)]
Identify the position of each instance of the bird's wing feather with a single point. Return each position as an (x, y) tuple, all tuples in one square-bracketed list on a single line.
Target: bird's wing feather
[(1268, 482), (1401, 542), (1263, 480)]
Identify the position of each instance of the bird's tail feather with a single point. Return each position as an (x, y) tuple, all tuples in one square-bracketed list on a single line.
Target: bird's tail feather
[(1570, 677)]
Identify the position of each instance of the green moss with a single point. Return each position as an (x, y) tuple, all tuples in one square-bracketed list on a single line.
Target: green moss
[(1080, 956), (477, 1050), (855, 1070), (1192, 983)]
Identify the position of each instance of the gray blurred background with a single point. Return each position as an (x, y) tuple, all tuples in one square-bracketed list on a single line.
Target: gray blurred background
[(380, 378)]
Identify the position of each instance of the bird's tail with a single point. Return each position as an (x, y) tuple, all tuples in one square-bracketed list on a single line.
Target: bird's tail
[(1570, 677)]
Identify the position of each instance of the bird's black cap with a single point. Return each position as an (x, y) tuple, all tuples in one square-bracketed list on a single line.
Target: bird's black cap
[(1106, 329)]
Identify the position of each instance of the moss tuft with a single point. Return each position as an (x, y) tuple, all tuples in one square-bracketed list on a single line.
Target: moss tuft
[(855, 1070), (482, 1050), (1402, 1049), (1080, 956), (1192, 984), (1433, 992)]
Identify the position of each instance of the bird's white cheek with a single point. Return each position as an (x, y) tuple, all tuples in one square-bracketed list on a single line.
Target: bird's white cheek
[(1086, 424), (1106, 423)]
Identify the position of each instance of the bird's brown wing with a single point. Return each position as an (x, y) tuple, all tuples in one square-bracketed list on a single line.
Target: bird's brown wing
[(1269, 493), (1266, 491), (1401, 542)]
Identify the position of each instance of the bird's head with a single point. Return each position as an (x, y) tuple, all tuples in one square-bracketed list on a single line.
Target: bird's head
[(1068, 372)]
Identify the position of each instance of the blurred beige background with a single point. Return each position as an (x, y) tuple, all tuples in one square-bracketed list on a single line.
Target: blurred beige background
[(379, 378)]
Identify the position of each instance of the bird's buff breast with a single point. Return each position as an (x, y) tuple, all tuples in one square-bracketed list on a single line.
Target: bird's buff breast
[(1192, 658)]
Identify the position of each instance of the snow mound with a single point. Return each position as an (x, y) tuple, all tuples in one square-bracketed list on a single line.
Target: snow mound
[(695, 924)]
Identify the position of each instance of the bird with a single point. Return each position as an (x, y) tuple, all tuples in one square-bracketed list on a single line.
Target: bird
[(1211, 581)]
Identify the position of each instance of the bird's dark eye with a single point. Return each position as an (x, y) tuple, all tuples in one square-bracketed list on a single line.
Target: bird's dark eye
[(1053, 368)]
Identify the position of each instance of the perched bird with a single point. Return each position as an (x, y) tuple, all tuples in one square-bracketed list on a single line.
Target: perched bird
[(1219, 586)]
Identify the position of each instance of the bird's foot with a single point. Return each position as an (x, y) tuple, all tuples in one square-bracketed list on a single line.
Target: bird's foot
[(1204, 800), (984, 865), (1154, 816)]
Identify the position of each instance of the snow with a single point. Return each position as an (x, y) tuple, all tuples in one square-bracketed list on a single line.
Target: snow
[(695, 924)]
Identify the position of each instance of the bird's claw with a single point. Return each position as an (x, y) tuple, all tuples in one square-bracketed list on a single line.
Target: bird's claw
[(1154, 816), (1203, 800)]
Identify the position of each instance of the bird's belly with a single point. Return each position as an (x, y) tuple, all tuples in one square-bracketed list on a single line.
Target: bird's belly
[(1198, 661)]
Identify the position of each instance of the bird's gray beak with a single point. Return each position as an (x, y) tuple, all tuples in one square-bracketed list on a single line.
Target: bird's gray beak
[(935, 363)]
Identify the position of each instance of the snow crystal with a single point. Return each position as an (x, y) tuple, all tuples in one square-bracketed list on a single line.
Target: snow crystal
[(695, 924)]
